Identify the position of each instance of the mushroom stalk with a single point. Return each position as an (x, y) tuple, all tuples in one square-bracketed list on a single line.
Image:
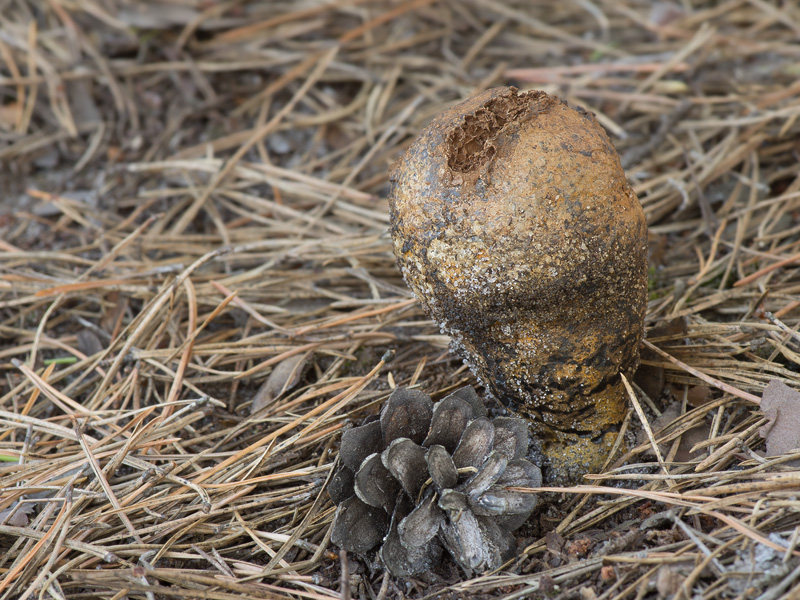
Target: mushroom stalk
[(515, 227)]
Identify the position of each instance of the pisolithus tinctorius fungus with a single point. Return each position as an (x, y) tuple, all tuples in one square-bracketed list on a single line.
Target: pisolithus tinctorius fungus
[(515, 227)]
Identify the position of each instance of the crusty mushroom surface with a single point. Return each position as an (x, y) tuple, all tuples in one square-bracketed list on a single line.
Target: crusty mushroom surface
[(515, 227)]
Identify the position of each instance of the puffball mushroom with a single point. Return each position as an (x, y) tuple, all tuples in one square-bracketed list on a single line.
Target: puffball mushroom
[(515, 227)]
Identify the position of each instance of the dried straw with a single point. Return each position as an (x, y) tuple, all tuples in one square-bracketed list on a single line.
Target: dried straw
[(193, 194)]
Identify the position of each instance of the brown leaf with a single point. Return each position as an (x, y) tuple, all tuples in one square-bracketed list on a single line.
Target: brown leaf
[(674, 328), (89, 343), (668, 581), (698, 395), (689, 438), (284, 377), (554, 542), (650, 378), (781, 406), (16, 516)]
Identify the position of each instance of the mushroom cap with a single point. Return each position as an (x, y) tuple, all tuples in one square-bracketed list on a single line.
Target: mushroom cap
[(515, 227)]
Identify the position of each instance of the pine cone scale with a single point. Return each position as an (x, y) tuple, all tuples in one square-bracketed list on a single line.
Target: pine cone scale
[(436, 477)]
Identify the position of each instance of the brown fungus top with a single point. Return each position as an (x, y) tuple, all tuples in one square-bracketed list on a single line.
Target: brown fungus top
[(514, 225), (471, 145)]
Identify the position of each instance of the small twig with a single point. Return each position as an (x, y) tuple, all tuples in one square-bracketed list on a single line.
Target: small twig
[(708, 379), (699, 543), (646, 425), (384, 589), (344, 575)]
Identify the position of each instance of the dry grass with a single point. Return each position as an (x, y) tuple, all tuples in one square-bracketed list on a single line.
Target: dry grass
[(193, 194)]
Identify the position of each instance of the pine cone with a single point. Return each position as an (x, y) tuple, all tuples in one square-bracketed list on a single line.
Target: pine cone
[(423, 477)]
